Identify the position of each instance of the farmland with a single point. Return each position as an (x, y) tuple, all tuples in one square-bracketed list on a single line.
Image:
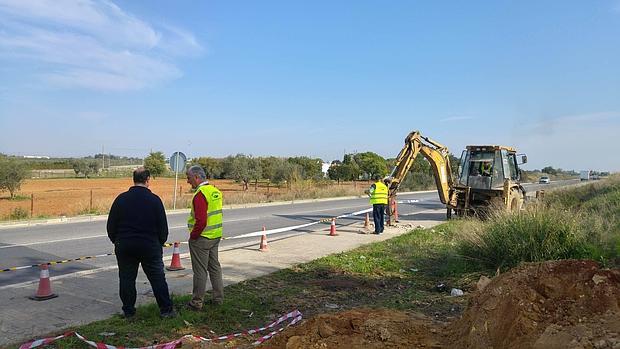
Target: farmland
[(44, 198)]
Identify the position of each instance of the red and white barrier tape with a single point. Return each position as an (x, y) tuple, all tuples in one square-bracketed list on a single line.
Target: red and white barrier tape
[(294, 315)]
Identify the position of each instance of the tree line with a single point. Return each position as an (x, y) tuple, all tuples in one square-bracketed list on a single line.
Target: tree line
[(247, 169)]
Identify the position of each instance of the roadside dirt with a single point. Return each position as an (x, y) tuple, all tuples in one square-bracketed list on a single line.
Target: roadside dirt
[(557, 304)]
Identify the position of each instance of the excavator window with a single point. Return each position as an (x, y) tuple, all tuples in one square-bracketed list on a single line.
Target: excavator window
[(480, 166), (510, 165)]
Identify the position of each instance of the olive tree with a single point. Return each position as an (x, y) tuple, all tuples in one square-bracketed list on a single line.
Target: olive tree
[(155, 163), (371, 164), (12, 174)]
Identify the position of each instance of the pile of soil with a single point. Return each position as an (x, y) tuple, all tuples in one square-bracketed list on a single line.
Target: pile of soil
[(359, 328), (556, 304)]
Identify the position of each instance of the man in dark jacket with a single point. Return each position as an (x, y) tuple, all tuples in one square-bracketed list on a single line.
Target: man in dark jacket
[(137, 226)]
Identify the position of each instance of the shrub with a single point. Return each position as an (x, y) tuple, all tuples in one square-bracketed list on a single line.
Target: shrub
[(537, 234), (19, 213)]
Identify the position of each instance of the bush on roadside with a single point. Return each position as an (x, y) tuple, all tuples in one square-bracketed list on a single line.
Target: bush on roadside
[(537, 234), (18, 213)]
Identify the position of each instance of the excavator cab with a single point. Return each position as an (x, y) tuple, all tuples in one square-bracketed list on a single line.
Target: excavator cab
[(487, 167)]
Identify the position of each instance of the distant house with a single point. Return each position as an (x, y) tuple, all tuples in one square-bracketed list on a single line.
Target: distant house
[(35, 157), (324, 168)]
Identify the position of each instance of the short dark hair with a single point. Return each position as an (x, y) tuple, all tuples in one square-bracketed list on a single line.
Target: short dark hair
[(141, 175), (376, 177)]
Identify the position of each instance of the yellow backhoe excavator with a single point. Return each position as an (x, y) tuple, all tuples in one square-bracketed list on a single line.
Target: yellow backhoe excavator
[(488, 175)]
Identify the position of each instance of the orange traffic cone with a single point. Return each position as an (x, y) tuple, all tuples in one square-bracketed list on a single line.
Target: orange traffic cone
[(175, 264), (367, 221), (332, 228), (263, 242), (45, 287)]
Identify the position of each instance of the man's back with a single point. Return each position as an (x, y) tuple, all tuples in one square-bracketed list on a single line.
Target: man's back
[(138, 214)]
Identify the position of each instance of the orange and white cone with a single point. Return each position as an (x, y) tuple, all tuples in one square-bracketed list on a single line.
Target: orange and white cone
[(263, 242), (175, 264), (367, 221), (332, 228), (44, 291)]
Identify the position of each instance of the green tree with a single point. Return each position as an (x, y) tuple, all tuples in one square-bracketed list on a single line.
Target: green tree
[(12, 174), (155, 163), (309, 168), (238, 168), (213, 167), (371, 164), (335, 171), (85, 167), (347, 170), (269, 166), (255, 171), (549, 170), (76, 164)]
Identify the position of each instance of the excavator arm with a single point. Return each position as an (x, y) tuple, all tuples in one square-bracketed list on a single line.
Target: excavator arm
[(438, 156)]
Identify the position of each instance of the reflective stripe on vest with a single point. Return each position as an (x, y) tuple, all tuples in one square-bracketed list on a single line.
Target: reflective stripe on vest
[(380, 194), (213, 229)]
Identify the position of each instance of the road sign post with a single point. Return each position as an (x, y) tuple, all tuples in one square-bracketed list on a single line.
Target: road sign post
[(177, 164)]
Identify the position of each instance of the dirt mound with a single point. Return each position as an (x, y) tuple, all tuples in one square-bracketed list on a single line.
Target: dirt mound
[(360, 328), (556, 304)]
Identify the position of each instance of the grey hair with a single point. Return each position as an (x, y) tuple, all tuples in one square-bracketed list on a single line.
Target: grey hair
[(197, 171)]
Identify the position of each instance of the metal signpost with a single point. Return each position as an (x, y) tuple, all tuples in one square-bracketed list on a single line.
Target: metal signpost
[(177, 164)]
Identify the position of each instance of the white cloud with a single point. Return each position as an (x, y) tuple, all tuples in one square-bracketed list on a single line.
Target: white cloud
[(91, 44)]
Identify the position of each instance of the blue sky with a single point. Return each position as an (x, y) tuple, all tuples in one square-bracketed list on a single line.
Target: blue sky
[(314, 78)]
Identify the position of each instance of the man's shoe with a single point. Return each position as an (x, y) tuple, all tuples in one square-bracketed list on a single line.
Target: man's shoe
[(130, 317), (168, 314), (192, 307)]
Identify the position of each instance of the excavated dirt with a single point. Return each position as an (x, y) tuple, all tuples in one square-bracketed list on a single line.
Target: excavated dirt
[(359, 328), (557, 304)]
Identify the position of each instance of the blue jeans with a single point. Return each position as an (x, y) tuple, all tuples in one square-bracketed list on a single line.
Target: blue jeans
[(378, 216)]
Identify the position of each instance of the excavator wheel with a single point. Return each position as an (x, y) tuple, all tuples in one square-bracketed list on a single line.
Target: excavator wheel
[(516, 200)]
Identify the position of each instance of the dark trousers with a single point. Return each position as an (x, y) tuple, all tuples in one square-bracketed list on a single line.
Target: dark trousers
[(378, 216), (128, 255)]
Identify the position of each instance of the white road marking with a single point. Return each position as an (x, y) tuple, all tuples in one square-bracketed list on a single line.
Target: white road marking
[(170, 228), (53, 241)]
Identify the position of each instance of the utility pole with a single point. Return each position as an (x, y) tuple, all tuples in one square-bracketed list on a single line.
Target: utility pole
[(102, 157)]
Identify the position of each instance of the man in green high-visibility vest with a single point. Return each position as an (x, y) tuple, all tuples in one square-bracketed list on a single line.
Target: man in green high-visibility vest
[(205, 232), (378, 198)]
